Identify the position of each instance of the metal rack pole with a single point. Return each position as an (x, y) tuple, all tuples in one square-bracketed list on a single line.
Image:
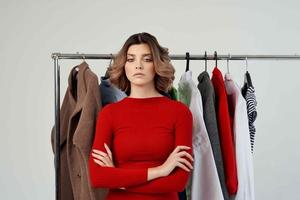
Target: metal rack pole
[(183, 57), (57, 56), (57, 126)]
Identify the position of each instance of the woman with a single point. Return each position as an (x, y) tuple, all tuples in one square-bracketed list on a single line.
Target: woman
[(143, 143)]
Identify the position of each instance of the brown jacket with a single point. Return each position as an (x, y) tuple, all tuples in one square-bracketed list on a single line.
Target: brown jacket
[(78, 115)]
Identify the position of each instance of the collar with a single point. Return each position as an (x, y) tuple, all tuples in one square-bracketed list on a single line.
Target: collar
[(105, 81), (217, 73), (186, 77), (203, 76), (80, 84), (228, 77)]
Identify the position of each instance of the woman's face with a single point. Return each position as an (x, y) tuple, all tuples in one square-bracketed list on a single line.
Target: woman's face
[(139, 60)]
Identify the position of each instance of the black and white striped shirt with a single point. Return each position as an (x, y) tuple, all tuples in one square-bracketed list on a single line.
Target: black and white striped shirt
[(248, 93)]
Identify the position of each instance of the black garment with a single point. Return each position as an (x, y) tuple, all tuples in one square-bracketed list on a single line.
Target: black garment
[(182, 195)]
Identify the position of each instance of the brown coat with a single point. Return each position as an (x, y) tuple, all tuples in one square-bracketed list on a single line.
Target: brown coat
[(78, 116)]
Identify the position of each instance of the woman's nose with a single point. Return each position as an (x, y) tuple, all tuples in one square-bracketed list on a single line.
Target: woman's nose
[(139, 65)]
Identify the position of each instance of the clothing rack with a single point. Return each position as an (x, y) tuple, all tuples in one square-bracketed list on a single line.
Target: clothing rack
[(181, 57), (57, 56)]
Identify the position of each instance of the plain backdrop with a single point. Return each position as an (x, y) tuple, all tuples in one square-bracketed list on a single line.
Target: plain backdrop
[(32, 30)]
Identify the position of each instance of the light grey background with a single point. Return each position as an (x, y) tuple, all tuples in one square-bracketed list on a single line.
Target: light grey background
[(32, 30)]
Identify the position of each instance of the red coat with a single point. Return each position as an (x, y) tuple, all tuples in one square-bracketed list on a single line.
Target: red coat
[(225, 132)]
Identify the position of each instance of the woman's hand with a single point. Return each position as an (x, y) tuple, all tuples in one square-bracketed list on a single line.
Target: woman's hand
[(103, 159), (176, 159)]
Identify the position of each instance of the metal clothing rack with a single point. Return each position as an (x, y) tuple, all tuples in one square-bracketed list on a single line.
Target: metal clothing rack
[(57, 56)]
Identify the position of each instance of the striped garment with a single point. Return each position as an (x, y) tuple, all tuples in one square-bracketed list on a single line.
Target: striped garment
[(248, 93)]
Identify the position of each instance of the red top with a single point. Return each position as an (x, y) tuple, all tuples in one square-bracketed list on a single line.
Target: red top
[(141, 133), (225, 133)]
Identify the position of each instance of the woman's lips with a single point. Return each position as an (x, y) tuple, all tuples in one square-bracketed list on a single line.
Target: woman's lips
[(138, 74)]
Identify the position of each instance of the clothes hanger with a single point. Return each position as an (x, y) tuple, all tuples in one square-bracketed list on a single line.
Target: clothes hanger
[(216, 57), (205, 57), (83, 60), (246, 64), (229, 57), (247, 75), (187, 57), (247, 79)]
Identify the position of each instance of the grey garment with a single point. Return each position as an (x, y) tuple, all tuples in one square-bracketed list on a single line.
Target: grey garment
[(209, 114), (109, 92)]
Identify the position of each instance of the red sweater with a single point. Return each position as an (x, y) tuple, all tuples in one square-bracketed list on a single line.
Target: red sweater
[(225, 132), (141, 133)]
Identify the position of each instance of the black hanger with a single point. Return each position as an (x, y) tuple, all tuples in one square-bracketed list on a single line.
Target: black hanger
[(205, 58), (216, 57), (187, 57)]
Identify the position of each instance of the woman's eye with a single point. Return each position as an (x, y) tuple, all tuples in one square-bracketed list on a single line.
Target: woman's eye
[(130, 60), (148, 59)]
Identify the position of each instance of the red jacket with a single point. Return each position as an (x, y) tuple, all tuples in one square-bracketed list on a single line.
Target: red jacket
[(225, 132)]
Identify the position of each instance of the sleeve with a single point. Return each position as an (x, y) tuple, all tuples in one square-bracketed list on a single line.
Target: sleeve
[(110, 177), (177, 180)]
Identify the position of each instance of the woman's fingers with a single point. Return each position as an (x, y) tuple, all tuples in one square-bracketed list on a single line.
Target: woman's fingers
[(108, 151), (109, 155), (101, 158), (99, 162), (100, 153), (182, 160), (104, 157), (183, 167), (184, 153), (180, 147)]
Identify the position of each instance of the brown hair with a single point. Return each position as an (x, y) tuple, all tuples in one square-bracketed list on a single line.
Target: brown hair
[(164, 76)]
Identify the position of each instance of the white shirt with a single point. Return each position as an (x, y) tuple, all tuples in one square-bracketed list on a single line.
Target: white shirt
[(204, 181), (242, 141)]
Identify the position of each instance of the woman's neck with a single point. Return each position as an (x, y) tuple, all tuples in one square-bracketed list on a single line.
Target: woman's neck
[(143, 91)]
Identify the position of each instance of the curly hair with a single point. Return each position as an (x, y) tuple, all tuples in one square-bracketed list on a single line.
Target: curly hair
[(164, 70)]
